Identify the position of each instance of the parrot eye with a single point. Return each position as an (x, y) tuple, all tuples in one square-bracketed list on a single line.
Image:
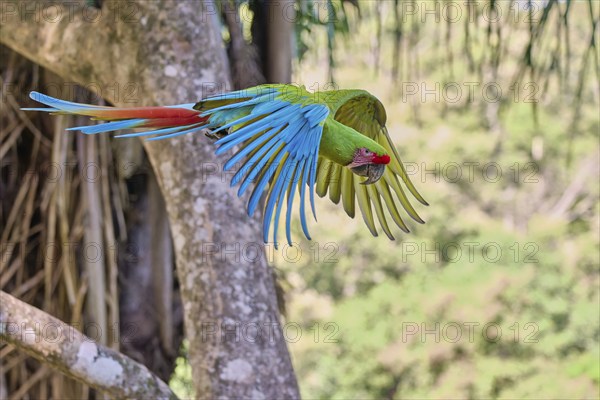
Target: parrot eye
[(367, 152)]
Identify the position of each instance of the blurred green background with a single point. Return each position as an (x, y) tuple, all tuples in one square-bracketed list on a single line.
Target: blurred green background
[(496, 296), (497, 120)]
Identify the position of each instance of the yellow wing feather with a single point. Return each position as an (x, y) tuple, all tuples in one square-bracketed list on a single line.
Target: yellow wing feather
[(363, 112)]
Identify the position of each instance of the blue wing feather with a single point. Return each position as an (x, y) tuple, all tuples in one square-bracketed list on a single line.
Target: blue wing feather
[(284, 132), (241, 135), (247, 149), (262, 183), (255, 169), (249, 165), (184, 132), (150, 133), (274, 199), (302, 201), (108, 126), (61, 105), (289, 172), (282, 136), (291, 194)]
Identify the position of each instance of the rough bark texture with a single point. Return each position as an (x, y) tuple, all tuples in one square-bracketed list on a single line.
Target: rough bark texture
[(172, 52), (65, 348)]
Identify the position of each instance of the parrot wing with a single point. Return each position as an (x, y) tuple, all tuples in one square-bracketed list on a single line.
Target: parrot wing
[(364, 113), (276, 131)]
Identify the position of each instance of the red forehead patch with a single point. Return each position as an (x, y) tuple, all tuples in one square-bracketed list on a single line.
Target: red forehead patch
[(384, 159)]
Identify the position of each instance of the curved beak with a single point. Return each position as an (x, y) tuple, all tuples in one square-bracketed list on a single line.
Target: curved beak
[(373, 172)]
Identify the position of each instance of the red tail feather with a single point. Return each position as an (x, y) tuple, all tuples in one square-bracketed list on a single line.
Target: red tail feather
[(162, 122), (142, 112)]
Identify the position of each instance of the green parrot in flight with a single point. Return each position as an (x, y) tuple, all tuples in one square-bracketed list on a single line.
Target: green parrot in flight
[(288, 140)]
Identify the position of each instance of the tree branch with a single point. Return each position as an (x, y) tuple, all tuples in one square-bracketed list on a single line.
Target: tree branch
[(63, 347)]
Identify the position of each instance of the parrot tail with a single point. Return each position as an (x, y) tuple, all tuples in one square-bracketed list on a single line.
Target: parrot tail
[(170, 120)]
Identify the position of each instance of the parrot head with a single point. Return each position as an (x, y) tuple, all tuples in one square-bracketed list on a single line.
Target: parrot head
[(368, 163)]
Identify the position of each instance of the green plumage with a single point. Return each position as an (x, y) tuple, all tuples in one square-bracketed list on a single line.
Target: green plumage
[(356, 120), (339, 142)]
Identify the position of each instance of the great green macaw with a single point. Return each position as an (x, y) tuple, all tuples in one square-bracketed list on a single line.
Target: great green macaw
[(286, 138)]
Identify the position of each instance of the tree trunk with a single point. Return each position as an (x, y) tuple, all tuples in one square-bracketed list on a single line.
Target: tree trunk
[(170, 52), (272, 31)]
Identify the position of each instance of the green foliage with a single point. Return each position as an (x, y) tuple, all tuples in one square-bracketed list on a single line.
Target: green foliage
[(497, 295), (330, 15), (544, 304)]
